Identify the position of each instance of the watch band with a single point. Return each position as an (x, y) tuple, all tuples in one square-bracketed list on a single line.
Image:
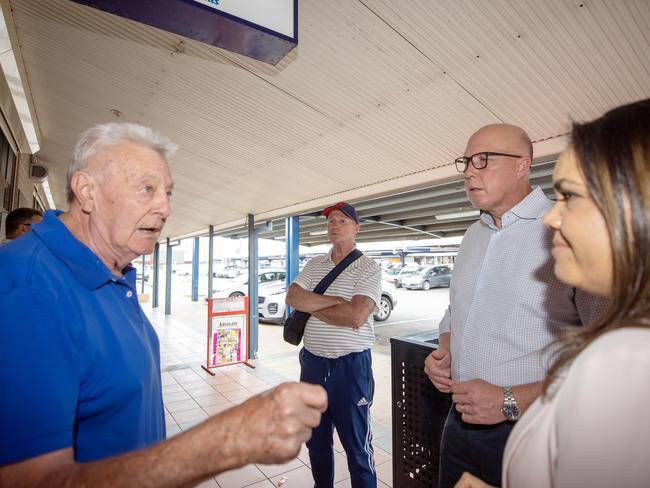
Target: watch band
[(510, 409)]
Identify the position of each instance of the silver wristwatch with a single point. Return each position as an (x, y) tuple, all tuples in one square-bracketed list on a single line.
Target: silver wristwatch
[(510, 409)]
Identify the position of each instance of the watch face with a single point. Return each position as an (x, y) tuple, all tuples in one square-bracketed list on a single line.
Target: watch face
[(511, 412)]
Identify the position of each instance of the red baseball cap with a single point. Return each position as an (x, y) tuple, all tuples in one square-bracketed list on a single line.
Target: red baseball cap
[(344, 207)]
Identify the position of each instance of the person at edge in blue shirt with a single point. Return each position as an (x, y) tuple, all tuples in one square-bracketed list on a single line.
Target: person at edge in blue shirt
[(81, 401), (505, 306)]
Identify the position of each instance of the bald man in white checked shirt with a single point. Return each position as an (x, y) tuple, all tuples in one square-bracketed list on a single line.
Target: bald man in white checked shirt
[(506, 306)]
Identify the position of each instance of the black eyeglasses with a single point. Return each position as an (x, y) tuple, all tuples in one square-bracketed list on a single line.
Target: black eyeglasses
[(478, 160)]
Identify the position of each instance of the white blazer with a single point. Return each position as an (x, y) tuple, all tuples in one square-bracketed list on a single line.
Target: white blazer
[(593, 430)]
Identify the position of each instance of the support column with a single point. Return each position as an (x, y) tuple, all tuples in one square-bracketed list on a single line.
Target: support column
[(253, 312), (168, 279), (210, 259), (154, 278), (292, 238), (195, 271), (143, 275)]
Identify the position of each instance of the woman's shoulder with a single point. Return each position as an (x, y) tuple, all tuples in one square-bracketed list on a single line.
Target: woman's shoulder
[(615, 351), (625, 338)]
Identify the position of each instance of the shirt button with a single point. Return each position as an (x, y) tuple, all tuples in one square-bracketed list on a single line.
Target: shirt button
[(129, 294)]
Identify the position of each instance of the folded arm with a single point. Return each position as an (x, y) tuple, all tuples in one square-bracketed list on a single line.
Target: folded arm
[(348, 314), (308, 301)]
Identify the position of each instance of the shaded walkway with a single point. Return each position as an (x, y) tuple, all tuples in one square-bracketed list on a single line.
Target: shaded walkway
[(191, 395)]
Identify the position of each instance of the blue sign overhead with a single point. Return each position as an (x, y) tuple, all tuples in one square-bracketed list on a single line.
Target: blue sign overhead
[(266, 30)]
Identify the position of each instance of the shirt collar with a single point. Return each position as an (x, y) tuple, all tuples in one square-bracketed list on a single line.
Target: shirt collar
[(83, 263), (530, 208), (329, 253)]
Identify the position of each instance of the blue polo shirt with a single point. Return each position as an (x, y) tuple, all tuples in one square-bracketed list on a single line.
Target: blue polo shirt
[(79, 360)]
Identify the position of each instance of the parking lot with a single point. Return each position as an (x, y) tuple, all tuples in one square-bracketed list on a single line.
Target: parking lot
[(416, 311)]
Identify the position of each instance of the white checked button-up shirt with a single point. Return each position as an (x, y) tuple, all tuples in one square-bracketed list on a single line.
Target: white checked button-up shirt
[(506, 305)]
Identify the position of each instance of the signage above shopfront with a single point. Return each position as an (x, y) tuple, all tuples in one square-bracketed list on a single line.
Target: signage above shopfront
[(266, 30)]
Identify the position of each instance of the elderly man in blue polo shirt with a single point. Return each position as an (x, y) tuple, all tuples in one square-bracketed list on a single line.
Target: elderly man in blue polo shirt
[(81, 399)]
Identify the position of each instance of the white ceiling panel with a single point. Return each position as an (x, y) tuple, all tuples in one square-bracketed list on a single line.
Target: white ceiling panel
[(379, 96)]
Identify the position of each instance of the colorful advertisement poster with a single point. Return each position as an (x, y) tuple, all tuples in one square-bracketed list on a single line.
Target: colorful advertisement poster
[(225, 340)]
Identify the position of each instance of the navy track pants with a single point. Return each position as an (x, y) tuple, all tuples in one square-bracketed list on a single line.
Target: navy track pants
[(350, 388)]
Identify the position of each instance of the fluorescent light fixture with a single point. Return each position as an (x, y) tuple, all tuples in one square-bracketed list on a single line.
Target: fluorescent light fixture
[(458, 215), (318, 233), (12, 74), (48, 194)]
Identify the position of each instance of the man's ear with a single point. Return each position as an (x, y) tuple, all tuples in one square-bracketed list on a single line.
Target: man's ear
[(523, 167), (84, 186)]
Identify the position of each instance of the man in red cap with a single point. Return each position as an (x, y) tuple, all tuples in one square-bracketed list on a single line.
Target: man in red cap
[(336, 352)]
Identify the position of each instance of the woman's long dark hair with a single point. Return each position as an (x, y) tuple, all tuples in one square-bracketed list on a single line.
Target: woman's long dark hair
[(613, 153)]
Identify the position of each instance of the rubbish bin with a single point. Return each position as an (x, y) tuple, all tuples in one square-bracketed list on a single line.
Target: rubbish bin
[(419, 412)]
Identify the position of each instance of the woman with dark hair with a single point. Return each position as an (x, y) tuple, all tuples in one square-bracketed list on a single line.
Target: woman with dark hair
[(591, 426)]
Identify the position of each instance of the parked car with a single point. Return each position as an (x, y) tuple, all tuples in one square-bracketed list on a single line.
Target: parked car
[(271, 302), (388, 301), (393, 269), (403, 273), (428, 277), (238, 287), (230, 272)]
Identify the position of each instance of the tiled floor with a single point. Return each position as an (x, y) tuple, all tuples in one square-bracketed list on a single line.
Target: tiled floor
[(191, 395)]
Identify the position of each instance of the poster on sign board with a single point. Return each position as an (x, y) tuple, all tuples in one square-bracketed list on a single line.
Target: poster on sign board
[(228, 333), (225, 342)]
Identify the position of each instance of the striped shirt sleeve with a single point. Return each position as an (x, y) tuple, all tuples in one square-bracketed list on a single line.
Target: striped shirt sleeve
[(369, 284), (304, 278)]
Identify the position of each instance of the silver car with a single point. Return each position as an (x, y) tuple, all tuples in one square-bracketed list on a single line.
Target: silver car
[(428, 277), (398, 279)]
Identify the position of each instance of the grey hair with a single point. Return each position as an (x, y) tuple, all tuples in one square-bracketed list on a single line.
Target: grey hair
[(106, 136)]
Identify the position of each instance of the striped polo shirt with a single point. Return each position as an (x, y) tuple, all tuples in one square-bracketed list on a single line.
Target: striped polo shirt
[(362, 277)]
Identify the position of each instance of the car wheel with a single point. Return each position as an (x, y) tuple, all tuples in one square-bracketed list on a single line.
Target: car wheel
[(236, 294), (426, 285), (385, 309)]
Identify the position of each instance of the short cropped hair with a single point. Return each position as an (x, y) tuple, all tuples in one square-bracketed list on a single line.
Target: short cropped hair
[(106, 136), (22, 215)]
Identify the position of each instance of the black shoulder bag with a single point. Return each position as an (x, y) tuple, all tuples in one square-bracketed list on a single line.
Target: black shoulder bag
[(294, 326)]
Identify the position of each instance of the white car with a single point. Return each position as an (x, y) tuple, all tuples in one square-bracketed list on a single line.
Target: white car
[(403, 273), (271, 302), (238, 287), (230, 272)]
